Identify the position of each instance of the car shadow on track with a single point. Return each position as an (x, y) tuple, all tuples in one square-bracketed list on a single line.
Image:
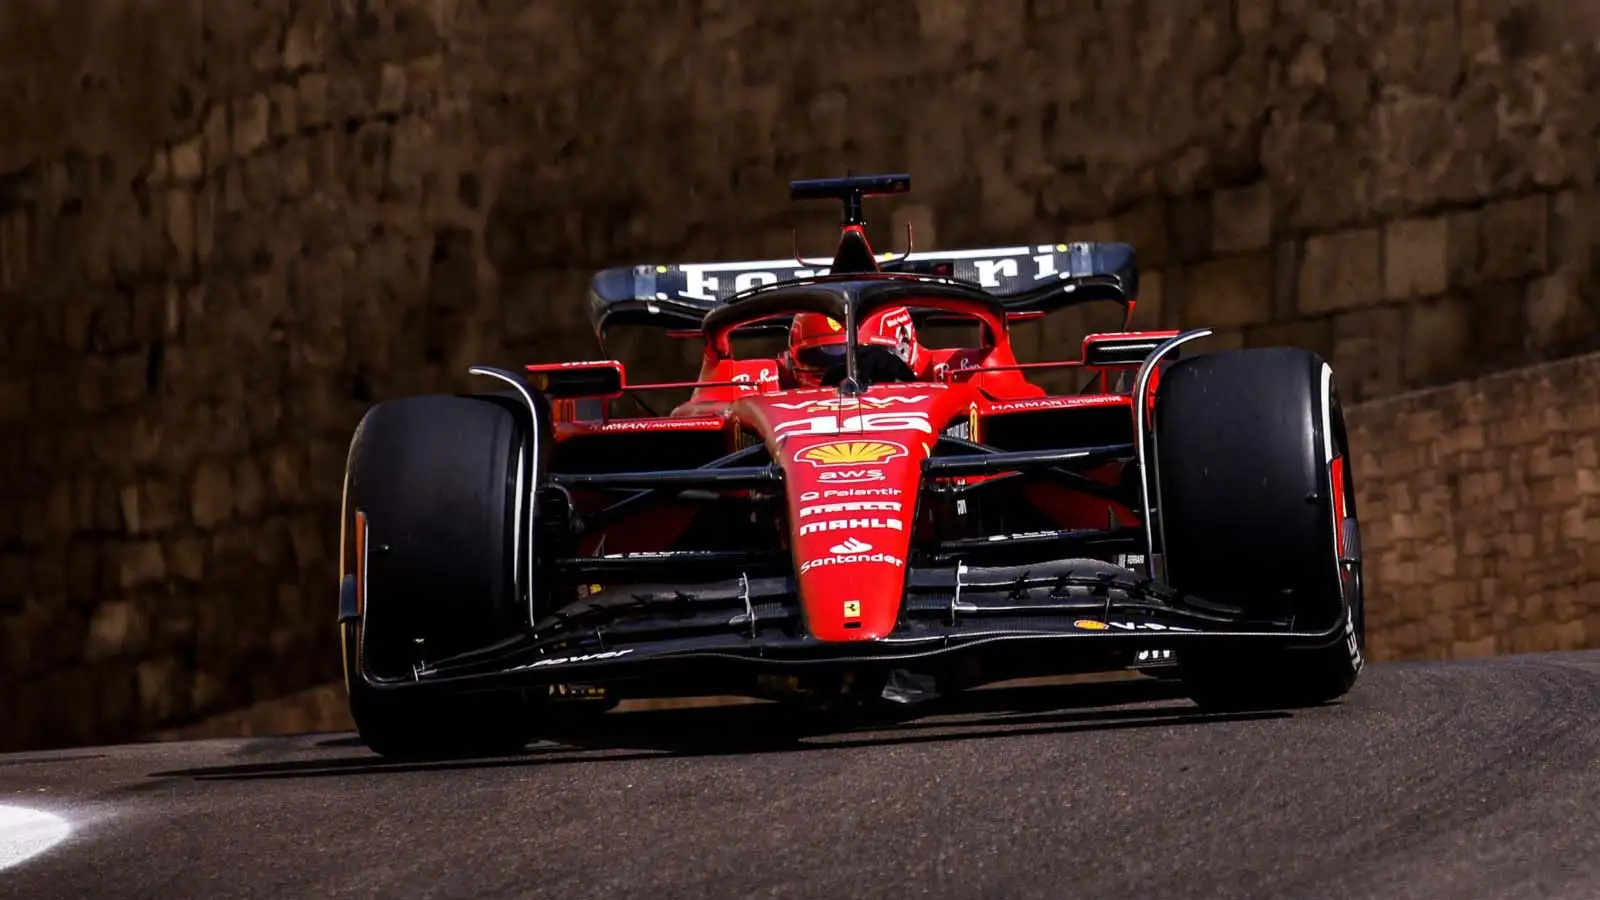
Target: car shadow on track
[(770, 728)]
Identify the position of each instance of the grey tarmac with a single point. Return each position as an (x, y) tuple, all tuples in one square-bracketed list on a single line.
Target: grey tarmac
[(1467, 779)]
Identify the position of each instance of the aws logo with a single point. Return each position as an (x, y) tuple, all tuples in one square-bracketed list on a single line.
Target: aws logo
[(845, 453)]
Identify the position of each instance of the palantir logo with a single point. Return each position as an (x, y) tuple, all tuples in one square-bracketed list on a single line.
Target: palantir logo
[(850, 545)]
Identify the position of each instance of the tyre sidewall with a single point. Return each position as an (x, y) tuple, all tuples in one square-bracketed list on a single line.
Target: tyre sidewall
[(438, 480), (1246, 504), (1244, 484)]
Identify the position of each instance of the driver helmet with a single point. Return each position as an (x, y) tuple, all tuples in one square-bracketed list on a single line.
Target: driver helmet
[(816, 341)]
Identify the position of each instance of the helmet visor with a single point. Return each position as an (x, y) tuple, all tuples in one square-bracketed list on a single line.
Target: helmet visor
[(820, 357)]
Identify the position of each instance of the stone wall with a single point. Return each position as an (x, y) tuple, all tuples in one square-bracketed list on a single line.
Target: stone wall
[(227, 227), (1480, 507)]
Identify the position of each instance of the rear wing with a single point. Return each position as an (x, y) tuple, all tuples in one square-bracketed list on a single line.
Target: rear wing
[(1028, 280)]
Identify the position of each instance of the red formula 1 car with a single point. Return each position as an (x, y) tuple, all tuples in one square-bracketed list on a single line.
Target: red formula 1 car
[(858, 519)]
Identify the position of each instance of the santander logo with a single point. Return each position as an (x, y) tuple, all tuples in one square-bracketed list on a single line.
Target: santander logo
[(848, 552)]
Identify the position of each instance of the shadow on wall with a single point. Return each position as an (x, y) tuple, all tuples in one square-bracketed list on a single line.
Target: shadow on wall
[(542, 244)]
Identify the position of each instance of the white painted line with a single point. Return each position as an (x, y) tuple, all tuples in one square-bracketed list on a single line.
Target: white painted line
[(26, 833)]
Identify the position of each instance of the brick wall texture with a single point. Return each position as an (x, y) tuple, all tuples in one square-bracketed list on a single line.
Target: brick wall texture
[(1480, 506), (226, 227)]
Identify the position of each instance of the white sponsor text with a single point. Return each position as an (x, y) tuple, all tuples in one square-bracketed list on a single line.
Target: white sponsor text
[(824, 509), (842, 524)]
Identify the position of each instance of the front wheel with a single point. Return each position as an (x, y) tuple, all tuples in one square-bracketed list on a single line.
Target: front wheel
[(433, 510), (1257, 508)]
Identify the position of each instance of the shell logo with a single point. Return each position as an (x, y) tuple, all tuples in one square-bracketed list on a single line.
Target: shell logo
[(833, 324), (845, 453), (1090, 625)]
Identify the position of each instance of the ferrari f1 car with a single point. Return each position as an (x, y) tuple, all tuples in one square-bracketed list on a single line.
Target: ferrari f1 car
[(857, 519)]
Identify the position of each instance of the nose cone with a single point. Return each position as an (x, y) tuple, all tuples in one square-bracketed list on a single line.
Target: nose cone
[(852, 504), (853, 471), (852, 589)]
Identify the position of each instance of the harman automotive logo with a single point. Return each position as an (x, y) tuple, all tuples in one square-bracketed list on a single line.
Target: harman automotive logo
[(1059, 403), (844, 453), (700, 424)]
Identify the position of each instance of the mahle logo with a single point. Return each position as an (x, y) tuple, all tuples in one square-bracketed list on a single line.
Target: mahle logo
[(845, 453)]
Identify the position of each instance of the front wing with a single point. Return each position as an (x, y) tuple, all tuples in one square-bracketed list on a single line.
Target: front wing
[(1057, 618)]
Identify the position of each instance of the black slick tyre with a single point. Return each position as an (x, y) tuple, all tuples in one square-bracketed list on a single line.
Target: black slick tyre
[(1256, 505), (435, 482)]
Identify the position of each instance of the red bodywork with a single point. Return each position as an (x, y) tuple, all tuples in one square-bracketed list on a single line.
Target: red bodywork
[(852, 465)]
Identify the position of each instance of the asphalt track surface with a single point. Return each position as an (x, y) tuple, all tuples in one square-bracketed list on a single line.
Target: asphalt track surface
[(1461, 780)]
